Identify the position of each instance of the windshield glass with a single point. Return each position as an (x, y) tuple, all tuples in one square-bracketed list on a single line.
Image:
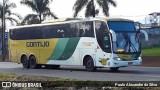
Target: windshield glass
[(127, 37), (127, 43), (121, 26)]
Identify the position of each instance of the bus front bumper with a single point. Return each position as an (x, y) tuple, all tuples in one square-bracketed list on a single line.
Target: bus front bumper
[(118, 63)]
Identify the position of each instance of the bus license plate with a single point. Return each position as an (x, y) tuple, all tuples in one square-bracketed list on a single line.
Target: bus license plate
[(130, 63)]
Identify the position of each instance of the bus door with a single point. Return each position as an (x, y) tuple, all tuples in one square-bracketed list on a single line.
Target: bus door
[(104, 54)]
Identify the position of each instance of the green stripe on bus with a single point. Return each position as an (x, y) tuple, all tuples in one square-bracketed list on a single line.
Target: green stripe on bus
[(64, 48), (70, 48), (59, 49)]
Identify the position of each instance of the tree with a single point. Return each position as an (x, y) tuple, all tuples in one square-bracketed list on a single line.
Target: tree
[(41, 8), (9, 15), (6, 15), (90, 7)]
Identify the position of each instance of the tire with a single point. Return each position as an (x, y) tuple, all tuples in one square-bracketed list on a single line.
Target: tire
[(114, 69), (25, 62), (89, 64), (33, 64)]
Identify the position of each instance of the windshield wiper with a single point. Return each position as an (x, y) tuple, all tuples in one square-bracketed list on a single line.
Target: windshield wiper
[(128, 43)]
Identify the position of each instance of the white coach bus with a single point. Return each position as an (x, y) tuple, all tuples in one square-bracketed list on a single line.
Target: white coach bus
[(93, 43)]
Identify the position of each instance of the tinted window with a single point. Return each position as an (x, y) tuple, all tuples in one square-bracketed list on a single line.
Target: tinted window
[(48, 32), (54, 31), (84, 29), (103, 37), (74, 30), (121, 26), (26, 33)]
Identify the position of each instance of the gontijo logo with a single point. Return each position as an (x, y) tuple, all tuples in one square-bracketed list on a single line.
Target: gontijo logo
[(19, 84), (38, 44)]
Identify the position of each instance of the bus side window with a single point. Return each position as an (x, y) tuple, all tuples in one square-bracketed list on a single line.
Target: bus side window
[(55, 33), (62, 31), (99, 33), (106, 42), (74, 30), (89, 32), (102, 35), (65, 29), (46, 32), (86, 29)]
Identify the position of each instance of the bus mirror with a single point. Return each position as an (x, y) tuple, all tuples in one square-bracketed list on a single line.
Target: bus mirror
[(145, 34), (113, 35), (138, 26)]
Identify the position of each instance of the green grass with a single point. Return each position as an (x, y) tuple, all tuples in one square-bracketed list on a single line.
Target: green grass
[(62, 84), (151, 51), (14, 77)]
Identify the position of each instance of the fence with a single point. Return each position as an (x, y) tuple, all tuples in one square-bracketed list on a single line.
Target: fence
[(154, 38)]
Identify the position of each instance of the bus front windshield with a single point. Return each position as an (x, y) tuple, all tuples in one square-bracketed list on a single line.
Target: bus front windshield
[(127, 37)]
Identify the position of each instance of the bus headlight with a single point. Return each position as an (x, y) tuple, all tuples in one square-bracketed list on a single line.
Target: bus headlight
[(139, 58), (117, 58)]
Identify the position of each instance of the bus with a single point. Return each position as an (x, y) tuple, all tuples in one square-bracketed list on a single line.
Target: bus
[(90, 42)]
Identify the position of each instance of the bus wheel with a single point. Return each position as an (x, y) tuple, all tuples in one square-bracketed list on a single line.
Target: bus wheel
[(114, 68), (33, 64), (89, 64), (25, 62)]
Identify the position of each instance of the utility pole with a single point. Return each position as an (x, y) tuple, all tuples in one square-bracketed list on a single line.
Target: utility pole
[(3, 32)]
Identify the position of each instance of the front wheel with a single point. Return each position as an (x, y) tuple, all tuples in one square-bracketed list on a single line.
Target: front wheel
[(89, 64)]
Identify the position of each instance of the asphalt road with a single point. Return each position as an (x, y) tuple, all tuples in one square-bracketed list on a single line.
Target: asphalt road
[(133, 73)]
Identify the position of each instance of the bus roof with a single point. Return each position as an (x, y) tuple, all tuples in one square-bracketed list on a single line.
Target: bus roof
[(60, 20), (86, 19), (114, 19), (67, 20)]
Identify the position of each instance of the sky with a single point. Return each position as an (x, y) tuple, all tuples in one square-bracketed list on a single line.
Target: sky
[(132, 9)]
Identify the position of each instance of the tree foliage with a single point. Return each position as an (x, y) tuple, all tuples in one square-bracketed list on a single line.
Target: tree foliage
[(9, 15), (90, 7), (41, 8)]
